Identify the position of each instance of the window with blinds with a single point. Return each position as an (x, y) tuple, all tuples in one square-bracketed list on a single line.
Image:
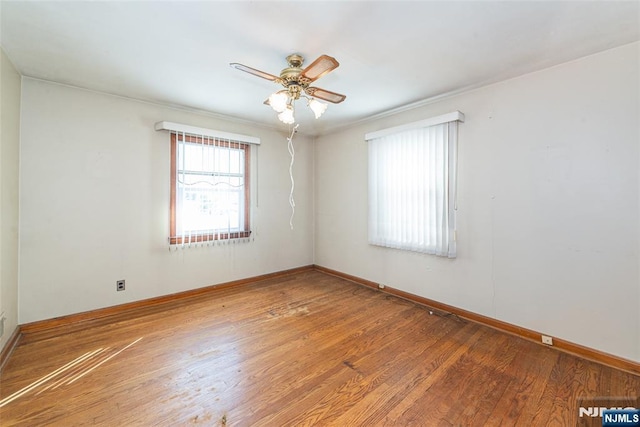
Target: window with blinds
[(209, 189), (412, 186)]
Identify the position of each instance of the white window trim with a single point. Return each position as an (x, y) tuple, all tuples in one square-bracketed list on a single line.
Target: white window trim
[(193, 130), (445, 118)]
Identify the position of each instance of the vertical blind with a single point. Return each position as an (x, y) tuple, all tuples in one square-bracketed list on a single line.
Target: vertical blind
[(209, 193), (412, 186), (210, 199)]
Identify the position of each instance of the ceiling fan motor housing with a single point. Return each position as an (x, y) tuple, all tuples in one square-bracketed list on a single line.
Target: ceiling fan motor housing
[(290, 76)]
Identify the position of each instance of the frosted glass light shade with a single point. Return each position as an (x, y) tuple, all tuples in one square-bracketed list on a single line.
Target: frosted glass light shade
[(317, 107), (287, 116), (278, 101)]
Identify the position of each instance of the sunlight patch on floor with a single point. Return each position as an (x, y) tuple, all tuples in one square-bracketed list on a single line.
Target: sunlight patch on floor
[(69, 373)]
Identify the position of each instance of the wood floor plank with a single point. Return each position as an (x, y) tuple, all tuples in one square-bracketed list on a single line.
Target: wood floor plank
[(364, 363), (440, 366), (522, 395), (306, 349), (409, 369)]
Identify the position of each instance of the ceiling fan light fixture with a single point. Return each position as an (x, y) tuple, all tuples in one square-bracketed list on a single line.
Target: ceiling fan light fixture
[(317, 107), (286, 116), (278, 101), (296, 81)]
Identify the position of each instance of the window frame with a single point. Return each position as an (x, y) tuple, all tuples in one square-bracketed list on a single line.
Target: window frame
[(175, 239)]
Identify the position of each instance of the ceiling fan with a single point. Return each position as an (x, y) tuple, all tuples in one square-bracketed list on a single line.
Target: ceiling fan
[(296, 81)]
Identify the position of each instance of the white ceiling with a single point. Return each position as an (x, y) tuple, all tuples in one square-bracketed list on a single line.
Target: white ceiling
[(391, 53)]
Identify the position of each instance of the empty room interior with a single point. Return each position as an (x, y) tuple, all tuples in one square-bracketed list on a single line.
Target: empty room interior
[(346, 213)]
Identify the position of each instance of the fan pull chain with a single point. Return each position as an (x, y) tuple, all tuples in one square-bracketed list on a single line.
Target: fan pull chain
[(292, 153)]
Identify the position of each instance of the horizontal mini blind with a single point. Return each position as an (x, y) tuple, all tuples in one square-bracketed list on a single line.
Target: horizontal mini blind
[(412, 186)]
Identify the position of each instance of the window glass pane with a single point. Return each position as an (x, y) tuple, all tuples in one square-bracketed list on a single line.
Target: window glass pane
[(210, 188), (210, 203)]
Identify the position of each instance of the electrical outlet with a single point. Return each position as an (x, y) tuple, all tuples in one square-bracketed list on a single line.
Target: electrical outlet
[(120, 285), (547, 340)]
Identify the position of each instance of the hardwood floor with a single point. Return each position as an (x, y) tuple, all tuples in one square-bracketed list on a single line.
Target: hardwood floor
[(308, 349)]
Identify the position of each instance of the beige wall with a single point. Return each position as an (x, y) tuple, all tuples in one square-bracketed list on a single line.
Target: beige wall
[(9, 165), (548, 219), (95, 204)]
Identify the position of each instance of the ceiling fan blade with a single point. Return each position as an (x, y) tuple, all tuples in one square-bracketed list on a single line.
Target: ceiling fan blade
[(255, 72), (325, 95), (319, 68)]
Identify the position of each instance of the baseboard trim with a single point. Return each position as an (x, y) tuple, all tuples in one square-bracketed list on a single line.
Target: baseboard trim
[(10, 346), (108, 313), (528, 334)]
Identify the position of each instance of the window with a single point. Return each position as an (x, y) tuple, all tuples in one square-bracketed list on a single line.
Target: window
[(209, 189), (412, 184)]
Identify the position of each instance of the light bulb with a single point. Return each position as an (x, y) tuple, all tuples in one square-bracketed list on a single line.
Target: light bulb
[(287, 116), (278, 101), (317, 107)]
